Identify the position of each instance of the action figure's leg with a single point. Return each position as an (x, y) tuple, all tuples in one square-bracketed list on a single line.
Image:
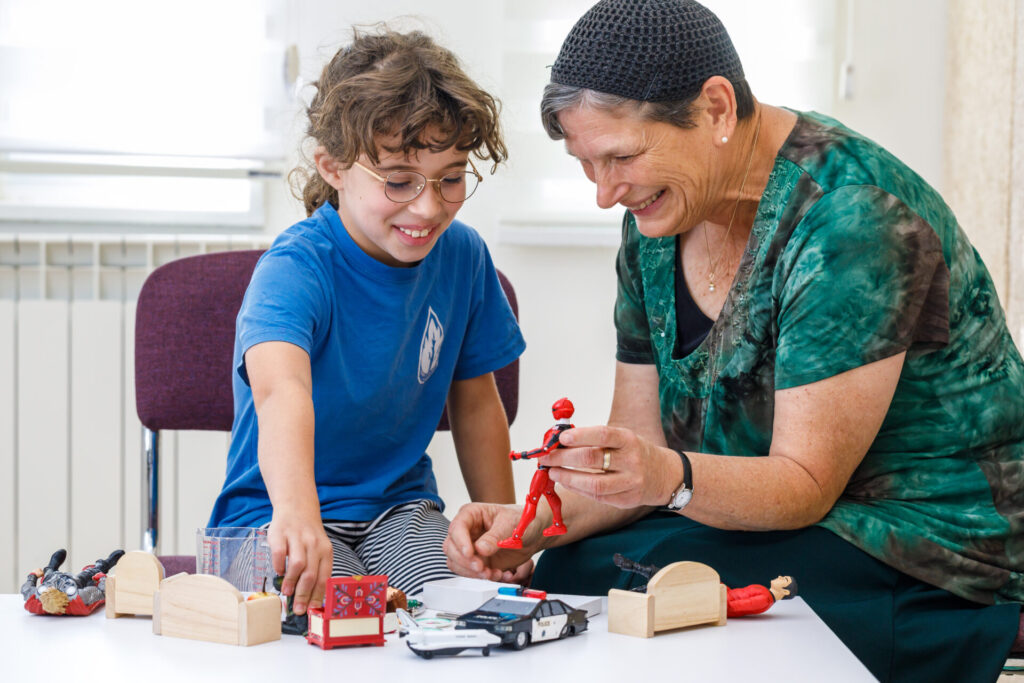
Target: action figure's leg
[(557, 527), (407, 545), (529, 512), (537, 486)]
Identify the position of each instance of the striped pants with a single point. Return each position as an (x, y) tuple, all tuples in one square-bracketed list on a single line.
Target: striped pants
[(405, 543)]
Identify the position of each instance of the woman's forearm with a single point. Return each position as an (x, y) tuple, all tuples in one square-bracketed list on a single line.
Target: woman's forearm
[(754, 493)]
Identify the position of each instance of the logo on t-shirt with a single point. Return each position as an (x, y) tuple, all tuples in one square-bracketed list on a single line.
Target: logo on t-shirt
[(430, 346)]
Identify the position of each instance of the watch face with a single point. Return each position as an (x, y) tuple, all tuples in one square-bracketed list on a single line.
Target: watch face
[(682, 498)]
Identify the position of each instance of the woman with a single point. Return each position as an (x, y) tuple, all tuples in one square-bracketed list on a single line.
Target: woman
[(808, 347)]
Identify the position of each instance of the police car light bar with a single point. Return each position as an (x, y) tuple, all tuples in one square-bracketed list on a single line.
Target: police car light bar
[(523, 592)]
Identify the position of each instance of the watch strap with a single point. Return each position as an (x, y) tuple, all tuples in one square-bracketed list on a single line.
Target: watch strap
[(687, 470), (686, 485)]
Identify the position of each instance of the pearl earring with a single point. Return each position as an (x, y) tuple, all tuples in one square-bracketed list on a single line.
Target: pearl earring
[(724, 139)]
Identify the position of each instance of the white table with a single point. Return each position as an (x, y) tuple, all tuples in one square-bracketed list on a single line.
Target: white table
[(789, 643)]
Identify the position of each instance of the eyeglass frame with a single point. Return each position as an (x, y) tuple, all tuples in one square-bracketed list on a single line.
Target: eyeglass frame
[(435, 181)]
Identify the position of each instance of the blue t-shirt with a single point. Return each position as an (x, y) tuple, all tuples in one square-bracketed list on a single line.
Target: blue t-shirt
[(384, 345)]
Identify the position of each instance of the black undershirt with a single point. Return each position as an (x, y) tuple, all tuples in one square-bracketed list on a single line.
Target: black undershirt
[(691, 323)]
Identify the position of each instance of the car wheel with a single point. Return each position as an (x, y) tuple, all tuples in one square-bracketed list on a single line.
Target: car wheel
[(486, 652), (522, 640)]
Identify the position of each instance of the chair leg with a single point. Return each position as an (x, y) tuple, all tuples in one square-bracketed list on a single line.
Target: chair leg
[(150, 490)]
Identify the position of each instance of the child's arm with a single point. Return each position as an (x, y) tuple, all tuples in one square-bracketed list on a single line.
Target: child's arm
[(282, 392), (480, 433)]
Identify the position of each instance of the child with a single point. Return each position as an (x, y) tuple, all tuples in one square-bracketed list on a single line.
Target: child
[(361, 320)]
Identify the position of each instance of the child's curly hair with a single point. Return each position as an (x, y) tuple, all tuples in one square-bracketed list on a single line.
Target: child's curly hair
[(397, 85)]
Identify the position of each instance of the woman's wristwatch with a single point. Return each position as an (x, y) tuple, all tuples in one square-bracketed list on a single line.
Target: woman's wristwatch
[(682, 495)]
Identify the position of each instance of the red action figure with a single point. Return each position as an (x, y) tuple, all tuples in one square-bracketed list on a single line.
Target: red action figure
[(541, 483), (755, 598)]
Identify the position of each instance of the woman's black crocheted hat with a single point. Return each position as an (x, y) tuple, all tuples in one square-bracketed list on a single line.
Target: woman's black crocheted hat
[(648, 50)]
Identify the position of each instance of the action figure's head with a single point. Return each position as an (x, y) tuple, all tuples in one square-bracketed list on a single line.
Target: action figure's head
[(783, 587), (562, 409)]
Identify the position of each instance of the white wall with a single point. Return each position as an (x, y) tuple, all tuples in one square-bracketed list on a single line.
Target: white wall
[(899, 52), (566, 292)]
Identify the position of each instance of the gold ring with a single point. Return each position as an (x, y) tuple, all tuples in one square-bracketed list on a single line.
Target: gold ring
[(607, 461)]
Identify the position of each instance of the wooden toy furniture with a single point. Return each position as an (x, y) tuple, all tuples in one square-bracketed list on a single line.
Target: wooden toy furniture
[(206, 607), (680, 594), (184, 340), (353, 612), (132, 583)]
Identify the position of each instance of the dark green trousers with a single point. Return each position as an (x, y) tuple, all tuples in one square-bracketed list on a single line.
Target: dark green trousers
[(901, 629)]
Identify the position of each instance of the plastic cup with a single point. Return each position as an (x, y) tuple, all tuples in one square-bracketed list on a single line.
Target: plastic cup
[(240, 555)]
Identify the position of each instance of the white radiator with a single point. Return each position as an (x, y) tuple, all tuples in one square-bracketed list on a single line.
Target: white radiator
[(70, 441)]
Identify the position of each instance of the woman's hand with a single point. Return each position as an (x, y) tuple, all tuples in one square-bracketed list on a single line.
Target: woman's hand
[(302, 553), (472, 544), (638, 472)]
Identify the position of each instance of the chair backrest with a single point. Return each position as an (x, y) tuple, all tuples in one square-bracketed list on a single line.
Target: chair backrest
[(507, 378), (184, 342)]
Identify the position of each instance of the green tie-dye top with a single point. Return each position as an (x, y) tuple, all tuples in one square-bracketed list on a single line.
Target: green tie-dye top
[(854, 258)]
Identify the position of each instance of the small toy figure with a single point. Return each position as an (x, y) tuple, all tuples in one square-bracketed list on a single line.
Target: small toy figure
[(293, 624), (755, 598), (396, 599), (353, 612), (541, 483), (48, 591), (628, 565)]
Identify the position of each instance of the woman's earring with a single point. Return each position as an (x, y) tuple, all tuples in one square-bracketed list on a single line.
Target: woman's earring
[(724, 139)]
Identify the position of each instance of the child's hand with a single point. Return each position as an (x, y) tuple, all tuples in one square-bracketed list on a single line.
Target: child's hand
[(304, 544), (472, 544)]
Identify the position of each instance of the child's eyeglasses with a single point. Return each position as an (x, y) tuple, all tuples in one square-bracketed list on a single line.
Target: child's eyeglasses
[(405, 186)]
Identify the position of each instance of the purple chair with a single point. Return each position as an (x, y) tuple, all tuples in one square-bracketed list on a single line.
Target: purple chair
[(184, 342)]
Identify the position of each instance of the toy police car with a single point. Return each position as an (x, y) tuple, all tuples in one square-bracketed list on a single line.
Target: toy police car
[(520, 617)]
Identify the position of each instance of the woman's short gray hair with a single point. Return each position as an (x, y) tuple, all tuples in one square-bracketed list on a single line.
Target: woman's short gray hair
[(558, 98)]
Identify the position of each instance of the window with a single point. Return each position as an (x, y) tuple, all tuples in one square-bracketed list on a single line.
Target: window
[(137, 112), (797, 70)]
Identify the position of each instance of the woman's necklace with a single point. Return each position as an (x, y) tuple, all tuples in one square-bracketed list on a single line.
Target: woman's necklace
[(713, 265)]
